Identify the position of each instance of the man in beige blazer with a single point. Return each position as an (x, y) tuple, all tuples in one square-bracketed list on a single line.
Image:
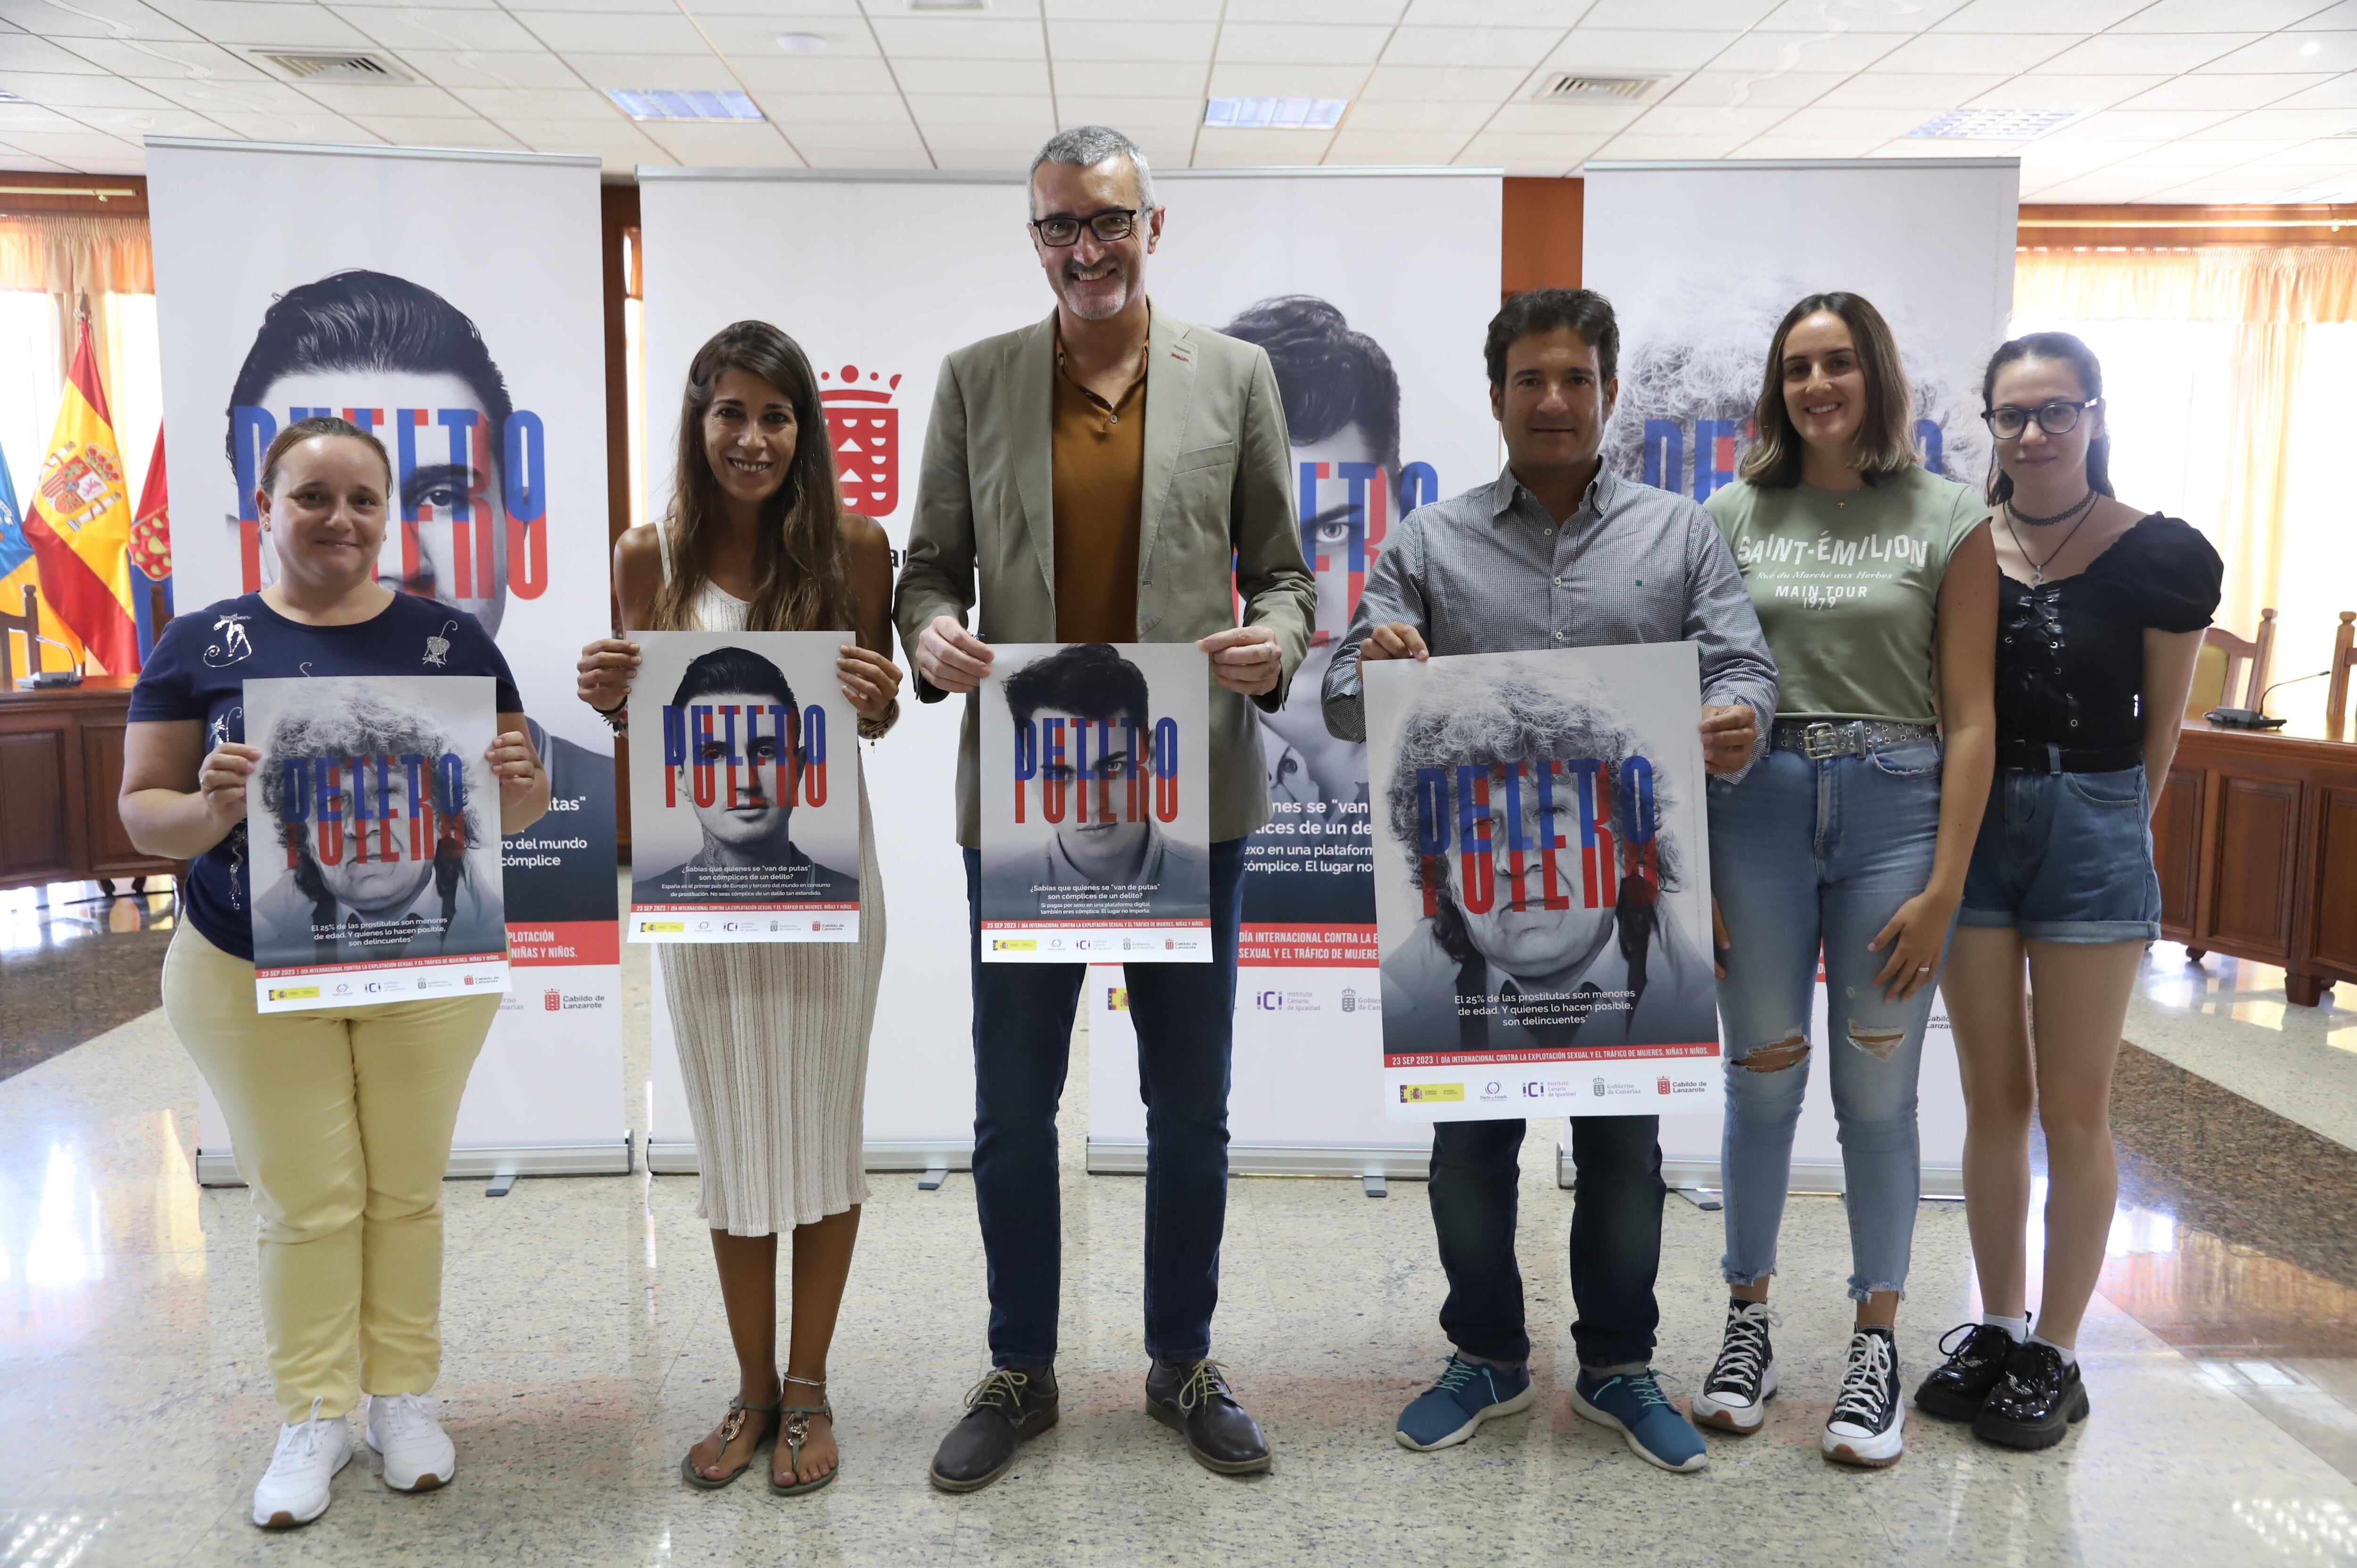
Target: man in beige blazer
[(1110, 474)]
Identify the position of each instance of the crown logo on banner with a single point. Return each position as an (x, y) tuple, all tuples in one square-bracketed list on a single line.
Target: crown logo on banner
[(866, 432)]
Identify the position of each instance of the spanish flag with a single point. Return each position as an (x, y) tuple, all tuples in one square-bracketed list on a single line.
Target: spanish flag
[(79, 527)]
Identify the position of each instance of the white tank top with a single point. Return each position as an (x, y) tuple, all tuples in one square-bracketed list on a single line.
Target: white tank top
[(715, 608)]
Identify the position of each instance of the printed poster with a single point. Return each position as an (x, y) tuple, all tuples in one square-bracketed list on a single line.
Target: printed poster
[(1543, 884), (744, 789), (1095, 805), (374, 823)]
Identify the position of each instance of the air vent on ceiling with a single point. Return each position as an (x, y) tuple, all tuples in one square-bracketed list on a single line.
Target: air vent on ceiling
[(1572, 86), (1993, 125), (332, 68)]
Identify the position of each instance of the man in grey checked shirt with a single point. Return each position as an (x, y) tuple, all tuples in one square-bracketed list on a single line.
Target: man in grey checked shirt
[(1557, 553)]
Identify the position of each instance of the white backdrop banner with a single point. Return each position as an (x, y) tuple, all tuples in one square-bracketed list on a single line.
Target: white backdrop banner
[(481, 367), (876, 320), (1701, 261), (1377, 349)]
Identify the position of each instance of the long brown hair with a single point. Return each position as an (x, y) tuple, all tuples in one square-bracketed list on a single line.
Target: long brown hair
[(1885, 440), (800, 579)]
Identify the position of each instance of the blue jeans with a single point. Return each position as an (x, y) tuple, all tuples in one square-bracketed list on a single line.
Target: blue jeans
[(1185, 1016), (1615, 1238), (1804, 853)]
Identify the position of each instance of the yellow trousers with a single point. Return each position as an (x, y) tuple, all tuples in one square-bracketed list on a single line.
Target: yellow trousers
[(341, 1120)]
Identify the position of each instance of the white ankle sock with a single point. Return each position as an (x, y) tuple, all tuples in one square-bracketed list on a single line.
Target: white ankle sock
[(2016, 1328), (2070, 1357)]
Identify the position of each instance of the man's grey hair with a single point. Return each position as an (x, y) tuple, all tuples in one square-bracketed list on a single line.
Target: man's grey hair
[(1085, 146)]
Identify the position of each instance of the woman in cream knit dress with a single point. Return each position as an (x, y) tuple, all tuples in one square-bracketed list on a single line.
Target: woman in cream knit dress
[(772, 1039)]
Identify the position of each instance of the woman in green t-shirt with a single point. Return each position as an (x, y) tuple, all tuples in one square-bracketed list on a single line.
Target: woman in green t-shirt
[(1877, 585)]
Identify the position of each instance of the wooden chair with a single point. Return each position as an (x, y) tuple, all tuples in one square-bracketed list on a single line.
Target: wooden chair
[(2250, 658), (29, 623), (2344, 659)]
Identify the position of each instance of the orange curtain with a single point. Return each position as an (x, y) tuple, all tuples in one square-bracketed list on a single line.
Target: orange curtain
[(77, 261)]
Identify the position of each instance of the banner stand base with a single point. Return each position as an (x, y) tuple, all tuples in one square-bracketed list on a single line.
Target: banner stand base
[(677, 1157), (480, 1161), (1126, 1156), (1697, 1180)]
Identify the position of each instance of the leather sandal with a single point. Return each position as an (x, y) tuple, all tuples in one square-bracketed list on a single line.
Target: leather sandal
[(794, 1432), (732, 1426)]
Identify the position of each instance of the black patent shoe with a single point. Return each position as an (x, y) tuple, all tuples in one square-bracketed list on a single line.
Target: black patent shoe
[(2035, 1402), (1001, 1412), (1192, 1398), (1958, 1386)]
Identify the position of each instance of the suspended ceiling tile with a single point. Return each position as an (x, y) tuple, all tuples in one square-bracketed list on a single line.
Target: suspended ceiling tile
[(1522, 47), (1311, 11), (2299, 50), (1880, 124), (131, 125), (2284, 124), (758, 37), (1499, 12), (292, 126), (2258, 90), (1679, 16), (1778, 145), (215, 98), (2341, 92), (1231, 80), (1714, 124), (585, 32), (1389, 114), (1621, 51), (1817, 17), (355, 99), (1931, 94), (805, 73), (574, 104), (24, 162), (1144, 10), (794, 110), (1134, 116), (2216, 15), (1391, 147), (674, 73), (510, 70), (968, 110), (725, 146), (1138, 79), (1130, 40), (92, 19), (1267, 44), (2041, 90), (1245, 149), (1984, 52), (1840, 52), (1565, 119), (434, 130), (1632, 145), (2130, 53), (58, 91), (411, 26), (22, 52), (276, 26), (1736, 89), (2038, 16), (998, 78), (1449, 84), (964, 38)]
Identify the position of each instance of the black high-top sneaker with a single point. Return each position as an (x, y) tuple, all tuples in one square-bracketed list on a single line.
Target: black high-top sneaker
[(1870, 1418), (2035, 1402), (1735, 1396), (1957, 1386)]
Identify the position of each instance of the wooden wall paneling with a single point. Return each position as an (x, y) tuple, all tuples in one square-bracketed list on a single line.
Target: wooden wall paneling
[(2258, 838), (32, 782), (110, 849), (2178, 849), (1540, 238), (2333, 925)]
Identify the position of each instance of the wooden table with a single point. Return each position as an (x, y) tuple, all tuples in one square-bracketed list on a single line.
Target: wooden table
[(2256, 841), (61, 768)]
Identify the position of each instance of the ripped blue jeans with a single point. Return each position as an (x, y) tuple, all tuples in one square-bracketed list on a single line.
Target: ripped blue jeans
[(1805, 853)]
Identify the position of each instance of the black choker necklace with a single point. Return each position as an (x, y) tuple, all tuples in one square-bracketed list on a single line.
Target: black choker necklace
[(2081, 504)]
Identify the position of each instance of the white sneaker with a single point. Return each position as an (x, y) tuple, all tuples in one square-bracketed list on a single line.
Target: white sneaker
[(417, 1453), (294, 1490), (1869, 1419)]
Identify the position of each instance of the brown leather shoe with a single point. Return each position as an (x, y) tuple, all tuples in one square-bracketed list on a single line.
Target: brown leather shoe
[(1192, 1398)]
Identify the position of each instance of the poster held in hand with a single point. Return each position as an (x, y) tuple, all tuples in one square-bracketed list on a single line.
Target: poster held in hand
[(372, 823), (1095, 805), (1543, 884), (744, 789)]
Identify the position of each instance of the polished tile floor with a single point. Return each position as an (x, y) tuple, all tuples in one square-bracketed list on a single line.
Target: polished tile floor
[(587, 1351)]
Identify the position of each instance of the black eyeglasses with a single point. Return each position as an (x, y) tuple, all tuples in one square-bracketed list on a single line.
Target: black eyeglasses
[(2059, 417), (1112, 223)]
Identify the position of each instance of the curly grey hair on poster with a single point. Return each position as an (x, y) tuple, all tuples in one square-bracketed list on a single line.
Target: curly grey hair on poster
[(1085, 146), (1702, 360), (1500, 723), (340, 722)]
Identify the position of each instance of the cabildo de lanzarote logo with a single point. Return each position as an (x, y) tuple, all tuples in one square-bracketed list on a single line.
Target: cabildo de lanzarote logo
[(866, 431)]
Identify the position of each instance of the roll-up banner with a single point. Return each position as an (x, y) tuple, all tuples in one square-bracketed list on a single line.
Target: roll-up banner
[(875, 315), (1701, 261), (476, 355), (1371, 289)]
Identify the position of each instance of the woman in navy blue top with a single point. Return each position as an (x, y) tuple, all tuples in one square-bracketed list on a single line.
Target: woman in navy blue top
[(340, 1119)]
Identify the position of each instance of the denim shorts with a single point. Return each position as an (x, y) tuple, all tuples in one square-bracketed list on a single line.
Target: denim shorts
[(2066, 857)]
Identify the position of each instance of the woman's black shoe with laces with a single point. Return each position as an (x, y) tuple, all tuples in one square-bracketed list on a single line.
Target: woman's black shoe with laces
[(2035, 1402), (1958, 1386)]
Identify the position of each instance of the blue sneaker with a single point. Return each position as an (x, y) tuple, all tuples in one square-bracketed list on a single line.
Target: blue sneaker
[(1452, 1409), (1634, 1405)]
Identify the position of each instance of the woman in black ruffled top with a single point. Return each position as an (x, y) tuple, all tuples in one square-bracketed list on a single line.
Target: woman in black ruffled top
[(2099, 621)]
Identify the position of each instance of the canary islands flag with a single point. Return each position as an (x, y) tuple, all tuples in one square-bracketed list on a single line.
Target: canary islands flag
[(79, 526), (18, 571)]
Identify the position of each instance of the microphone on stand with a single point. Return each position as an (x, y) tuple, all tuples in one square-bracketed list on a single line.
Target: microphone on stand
[(2256, 718)]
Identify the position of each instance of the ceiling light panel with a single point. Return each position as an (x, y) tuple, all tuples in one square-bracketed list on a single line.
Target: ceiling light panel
[(662, 105), (1994, 125), (1274, 113)]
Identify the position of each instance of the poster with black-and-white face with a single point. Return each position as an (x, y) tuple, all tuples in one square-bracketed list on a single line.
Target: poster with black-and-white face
[(744, 789), (1095, 805), (1542, 884), (372, 822)]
